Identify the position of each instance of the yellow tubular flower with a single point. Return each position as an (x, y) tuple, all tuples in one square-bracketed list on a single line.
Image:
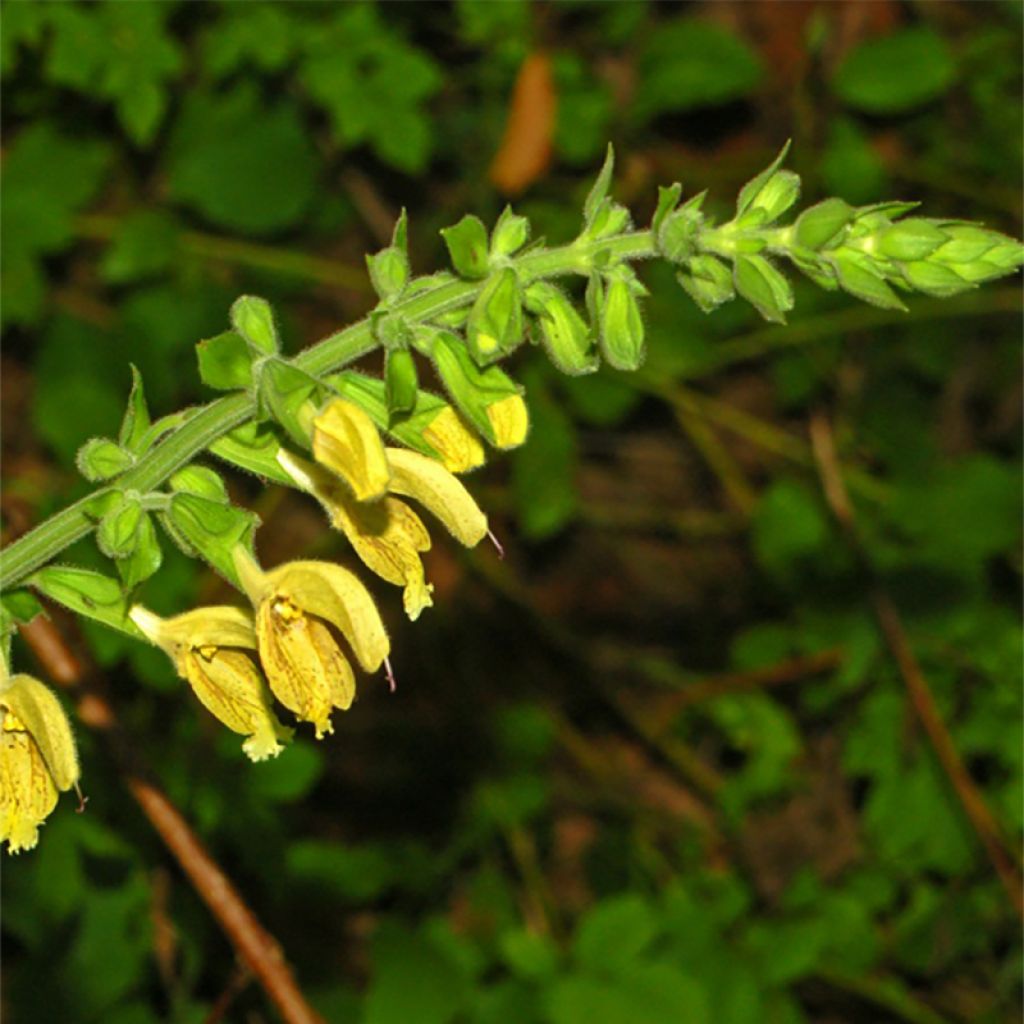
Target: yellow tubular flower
[(509, 420), (346, 442), (212, 648), (460, 449), (428, 482), (38, 758), (296, 604), (388, 535)]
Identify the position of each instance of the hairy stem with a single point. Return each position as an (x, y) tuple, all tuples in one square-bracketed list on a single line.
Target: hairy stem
[(212, 421)]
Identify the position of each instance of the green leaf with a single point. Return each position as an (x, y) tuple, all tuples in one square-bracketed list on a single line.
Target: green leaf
[(263, 36), (86, 592), (357, 873), (289, 777), (789, 527), (896, 73), (242, 165), (225, 362), (691, 63), (412, 980), (145, 244), (614, 934), (850, 165), (47, 177), (373, 85), (528, 954), (650, 994), (136, 417), (101, 459)]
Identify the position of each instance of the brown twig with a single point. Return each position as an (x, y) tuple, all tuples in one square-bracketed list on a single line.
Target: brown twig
[(255, 946), (923, 702)]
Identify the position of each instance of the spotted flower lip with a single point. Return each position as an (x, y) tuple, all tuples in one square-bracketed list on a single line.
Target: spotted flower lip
[(38, 759), (345, 441), (298, 607), (213, 650), (388, 535)]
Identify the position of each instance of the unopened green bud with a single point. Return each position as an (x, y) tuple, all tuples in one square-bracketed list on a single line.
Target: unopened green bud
[(102, 459), (668, 200), (677, 234), (774, 198), (510, 234), (400, 380), (819, 224), (859, 275), (610, 219), (913, 239), (285, 391), (495, 324), (253, 319), (934, 278), (816, 267), (966, 243), (763, 287), (708, 281), (764, 192), (565, 335), (467, 246), (487, 397), (389, 272), (622, 326)]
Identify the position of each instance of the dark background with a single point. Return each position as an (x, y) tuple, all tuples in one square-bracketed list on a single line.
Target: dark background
[(658, 765)]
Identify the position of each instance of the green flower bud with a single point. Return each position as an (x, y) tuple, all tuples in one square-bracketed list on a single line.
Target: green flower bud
[(611, 219), (400, 380), (913, 239), (225, 362), (775, 196), (510, 234), (819, 224), (818, 269), (934, 278), (389, 272), (495, 324), (676, 237), (467, 246), (487, 397), (101, 459), (859, 275), (622, 326), (565, 335), (708, 281), (668, 199), (966, 243), (763, 287), (253, 319)]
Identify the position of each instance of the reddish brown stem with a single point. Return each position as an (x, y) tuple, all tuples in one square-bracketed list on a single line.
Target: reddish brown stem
[(255, 946), (922, 700)]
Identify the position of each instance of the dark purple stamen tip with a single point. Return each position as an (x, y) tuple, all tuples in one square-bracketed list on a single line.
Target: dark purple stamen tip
[(389, 672)]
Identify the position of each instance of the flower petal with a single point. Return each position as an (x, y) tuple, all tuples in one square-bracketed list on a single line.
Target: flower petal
[(427, 481), (213, 626), (346, 441), (27, 792), (460, 449), (304, 664), (332, 593), (41, 715), (509, 420), (230, 687)]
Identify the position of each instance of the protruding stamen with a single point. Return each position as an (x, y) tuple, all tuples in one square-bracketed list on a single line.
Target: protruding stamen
[(494, 540), (82, 799), (389, 673)]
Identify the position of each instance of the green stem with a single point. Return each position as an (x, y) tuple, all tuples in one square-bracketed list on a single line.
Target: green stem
[(203, 427)]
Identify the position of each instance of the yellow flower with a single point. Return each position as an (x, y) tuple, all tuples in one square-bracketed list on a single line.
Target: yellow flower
[(345, 441), (388, 535), (509, 421), (38, 758), (298, 608), (212, 648), (460, 449)]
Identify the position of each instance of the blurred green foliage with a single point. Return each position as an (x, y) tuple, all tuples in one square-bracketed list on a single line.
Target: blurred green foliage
[(502, 841)]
